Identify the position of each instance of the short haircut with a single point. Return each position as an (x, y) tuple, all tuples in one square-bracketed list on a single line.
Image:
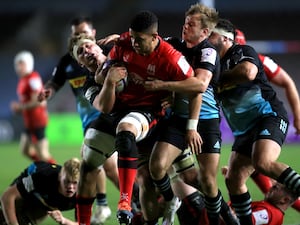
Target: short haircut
[(226, 25), (82, 19), (209, 16), (145, 22), (72, 168)]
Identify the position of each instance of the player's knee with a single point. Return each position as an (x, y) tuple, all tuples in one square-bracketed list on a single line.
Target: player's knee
[(92, 158), (157, 169), (125, 144)]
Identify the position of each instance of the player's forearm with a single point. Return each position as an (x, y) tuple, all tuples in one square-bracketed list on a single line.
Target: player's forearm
[(9, 210), (66, 221), (105, 100)]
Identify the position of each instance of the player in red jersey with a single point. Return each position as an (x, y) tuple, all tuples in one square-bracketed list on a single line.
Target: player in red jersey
[(130, 115), (278, 76), (270, 211), (34, 112)]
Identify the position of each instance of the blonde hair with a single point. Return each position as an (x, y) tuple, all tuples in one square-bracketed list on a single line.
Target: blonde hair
[(209, 16), (78, 40), (72, 168)]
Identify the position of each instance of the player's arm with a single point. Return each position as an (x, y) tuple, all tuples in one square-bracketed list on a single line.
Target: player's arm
[(58, 217), (283, 80), (105, 100), (193, 138), (242, 72), (8, 204), (32, 103)]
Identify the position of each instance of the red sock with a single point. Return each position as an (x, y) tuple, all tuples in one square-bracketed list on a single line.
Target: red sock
[(126, 181), (263, 182), (51, 160), (84, 210), (296, 205), (34, 157)]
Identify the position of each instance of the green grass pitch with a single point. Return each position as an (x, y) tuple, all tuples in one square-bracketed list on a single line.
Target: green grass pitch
[(12, 163)]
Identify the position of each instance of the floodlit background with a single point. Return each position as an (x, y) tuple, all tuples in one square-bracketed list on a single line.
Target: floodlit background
[(43, 28)]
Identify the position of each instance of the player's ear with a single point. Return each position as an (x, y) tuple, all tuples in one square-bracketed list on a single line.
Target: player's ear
[(154, 36)]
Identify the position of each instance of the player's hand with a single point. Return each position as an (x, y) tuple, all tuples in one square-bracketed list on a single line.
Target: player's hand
[(44, 94), (15, 107), (194, 141), (116, 73), (152, 84), (297, 125), (109, 39), (167, 102), (57, 216)]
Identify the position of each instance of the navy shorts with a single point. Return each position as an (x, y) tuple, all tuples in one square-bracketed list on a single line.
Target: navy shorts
[(175, 130), (271, 127), (36, 134)]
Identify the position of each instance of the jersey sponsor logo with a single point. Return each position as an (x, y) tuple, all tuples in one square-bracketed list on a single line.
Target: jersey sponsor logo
[(209, 55), (183, 64), (261, 217), (265, 132), (77, 82), (151, 70)]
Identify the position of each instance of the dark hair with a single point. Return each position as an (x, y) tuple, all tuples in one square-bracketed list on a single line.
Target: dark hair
[(144, 21), (226, 25), (82, 19)]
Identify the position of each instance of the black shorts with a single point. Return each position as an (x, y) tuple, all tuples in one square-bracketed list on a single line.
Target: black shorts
[(211, 135), (36, 134), (175, 130), (271, 127)]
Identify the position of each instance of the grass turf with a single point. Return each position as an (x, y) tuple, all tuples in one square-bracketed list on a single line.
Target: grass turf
[(12, 163)]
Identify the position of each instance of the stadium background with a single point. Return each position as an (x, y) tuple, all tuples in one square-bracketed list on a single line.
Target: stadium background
[(271, 26)]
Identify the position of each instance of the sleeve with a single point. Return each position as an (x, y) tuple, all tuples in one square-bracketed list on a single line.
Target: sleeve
[(270, 67), (59, 71), (260, 217), (36, 83)]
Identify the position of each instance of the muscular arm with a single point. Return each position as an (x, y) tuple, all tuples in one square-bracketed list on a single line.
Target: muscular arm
[(8, 204), (242, 72), (283, 80)]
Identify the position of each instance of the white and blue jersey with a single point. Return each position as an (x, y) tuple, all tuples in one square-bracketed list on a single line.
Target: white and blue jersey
[(245, 104), (204, 56), (69, 70)]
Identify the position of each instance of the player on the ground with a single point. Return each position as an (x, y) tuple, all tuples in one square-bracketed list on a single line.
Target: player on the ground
[(68, 70), (41, 190)]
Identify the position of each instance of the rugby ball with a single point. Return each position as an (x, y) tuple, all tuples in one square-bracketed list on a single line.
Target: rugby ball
[(121, 85)]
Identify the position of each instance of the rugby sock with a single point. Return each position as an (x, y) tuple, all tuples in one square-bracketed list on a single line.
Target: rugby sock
[(101, 199), (227, 214), (296, 205), (84, 210), (213, 206), (242, 206), (291, 179), (164, 186), (51, 161), (263, 182), (151, 222), (127, 167), (191, 209)]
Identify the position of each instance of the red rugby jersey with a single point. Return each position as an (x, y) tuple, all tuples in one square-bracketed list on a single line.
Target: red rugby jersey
[(35, 117)]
